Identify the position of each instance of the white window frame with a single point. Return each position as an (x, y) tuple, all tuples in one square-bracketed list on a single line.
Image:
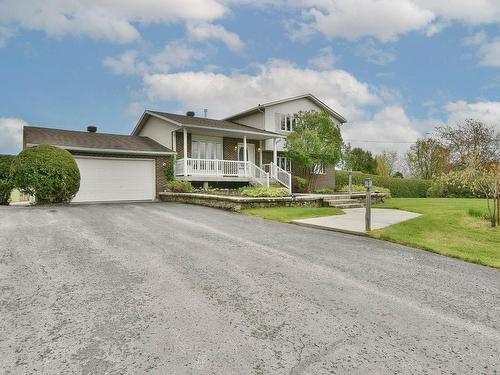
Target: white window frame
[(283, 161), (287, 123), (318, 169), (216, 147)]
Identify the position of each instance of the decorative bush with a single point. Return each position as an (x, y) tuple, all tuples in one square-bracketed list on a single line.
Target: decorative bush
[(299, 184), (399, 187), (260, 191), (6, 184), (47, 172), (179, 186), (452, 185)]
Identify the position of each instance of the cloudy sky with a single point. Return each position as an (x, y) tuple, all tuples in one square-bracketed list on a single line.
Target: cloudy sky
[(393, 68)]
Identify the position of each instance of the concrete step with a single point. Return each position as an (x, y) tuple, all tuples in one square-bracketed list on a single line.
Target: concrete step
[(336, 197), (352, 204)]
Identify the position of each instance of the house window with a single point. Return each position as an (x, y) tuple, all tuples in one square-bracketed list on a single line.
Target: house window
[(287, 123), (284, 163), (318, 169), (206, 150)]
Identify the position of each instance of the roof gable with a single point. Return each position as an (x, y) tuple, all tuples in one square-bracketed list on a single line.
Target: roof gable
[(310, 97)]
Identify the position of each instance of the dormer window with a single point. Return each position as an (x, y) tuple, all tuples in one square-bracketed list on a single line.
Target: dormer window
[(287, 123)]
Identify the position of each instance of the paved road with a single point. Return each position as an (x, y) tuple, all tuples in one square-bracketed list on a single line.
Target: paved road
[(176, 289)]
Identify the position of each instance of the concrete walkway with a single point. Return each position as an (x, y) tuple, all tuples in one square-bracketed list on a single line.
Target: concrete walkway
[(353, 221)]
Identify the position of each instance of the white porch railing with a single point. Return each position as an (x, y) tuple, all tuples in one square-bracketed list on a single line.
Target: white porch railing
[(280, 175), (221, 168)]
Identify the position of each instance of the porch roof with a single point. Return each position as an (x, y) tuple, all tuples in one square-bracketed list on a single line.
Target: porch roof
[(208, 125)]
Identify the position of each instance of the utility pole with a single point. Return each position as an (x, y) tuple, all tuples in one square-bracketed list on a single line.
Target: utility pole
[(368, 213)]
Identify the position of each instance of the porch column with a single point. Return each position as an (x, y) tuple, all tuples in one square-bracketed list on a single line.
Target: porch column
[(245, 152), (185, 149), (260, 153), (275, 151)]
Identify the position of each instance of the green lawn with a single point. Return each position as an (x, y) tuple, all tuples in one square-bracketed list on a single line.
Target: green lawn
[(445, 227), (287, 214)]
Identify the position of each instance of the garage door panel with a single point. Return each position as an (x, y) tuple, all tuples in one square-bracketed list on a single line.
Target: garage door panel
[(112, 179)]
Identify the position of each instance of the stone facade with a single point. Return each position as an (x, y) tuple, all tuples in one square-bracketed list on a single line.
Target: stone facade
[(160, 165)]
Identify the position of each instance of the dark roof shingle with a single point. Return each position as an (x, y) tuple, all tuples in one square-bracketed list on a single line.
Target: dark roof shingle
[(72, 139), (211, 123)]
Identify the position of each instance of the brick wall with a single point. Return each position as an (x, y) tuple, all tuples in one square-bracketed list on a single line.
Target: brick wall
[(323, 181), (160, 177), (179, 143), (229, 145)]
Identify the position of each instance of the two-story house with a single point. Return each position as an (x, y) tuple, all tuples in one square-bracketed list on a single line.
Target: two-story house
[(245, 147)]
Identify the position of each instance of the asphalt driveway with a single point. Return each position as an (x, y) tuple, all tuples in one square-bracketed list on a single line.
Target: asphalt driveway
[(178, 289)]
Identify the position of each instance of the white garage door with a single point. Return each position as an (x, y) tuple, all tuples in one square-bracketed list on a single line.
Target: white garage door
[(113, 179)]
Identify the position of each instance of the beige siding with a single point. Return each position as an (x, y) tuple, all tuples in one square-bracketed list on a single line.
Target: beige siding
[(159, 130), (255, 120)]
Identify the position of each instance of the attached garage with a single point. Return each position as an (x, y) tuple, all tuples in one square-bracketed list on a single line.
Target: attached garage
[(115, 179), (113, 167)]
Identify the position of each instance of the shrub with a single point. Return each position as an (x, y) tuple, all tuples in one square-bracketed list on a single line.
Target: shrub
[(398, 187), (325, 191), (451, 185), (179, 186), (47, 172), (261, 191), (169, 171), (299, 184), (6, 183)]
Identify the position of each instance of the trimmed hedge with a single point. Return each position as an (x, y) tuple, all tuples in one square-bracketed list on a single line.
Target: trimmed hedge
[(399, 187), (49, 173), (6, 184)]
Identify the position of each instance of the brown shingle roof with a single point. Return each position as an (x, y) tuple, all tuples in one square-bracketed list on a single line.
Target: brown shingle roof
[(211, 123), (77, 140)]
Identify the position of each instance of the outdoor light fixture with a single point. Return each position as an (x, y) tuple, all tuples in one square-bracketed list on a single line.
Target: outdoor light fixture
[(235, 148), (259, 149)]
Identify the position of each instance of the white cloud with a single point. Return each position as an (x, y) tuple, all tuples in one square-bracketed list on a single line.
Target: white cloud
[(11, 140), (125, 64), (487, 111), (375, 55), (389, 129), (387, 20), (176, 54), (488, 49), (205, 31), (111, 20), (224, 94), (324, 60), (384, 20)]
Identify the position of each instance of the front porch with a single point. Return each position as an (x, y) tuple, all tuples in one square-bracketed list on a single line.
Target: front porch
[(220, 157)]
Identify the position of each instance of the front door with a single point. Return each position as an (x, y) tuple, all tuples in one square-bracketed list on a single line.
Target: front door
[(250, 152)]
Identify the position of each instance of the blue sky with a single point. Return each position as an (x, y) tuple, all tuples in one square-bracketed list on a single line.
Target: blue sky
[(394, 69)]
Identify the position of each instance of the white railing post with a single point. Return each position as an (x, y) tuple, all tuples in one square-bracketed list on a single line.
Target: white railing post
[(245, 153), (267, 179)]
